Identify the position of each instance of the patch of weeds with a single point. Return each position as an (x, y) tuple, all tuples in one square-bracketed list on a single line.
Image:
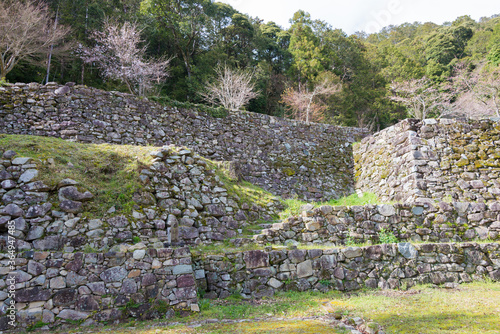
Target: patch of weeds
[(161, 306), (89, 249), (129, 305), (325, 282), (349, 241), (74, 322), (235, 295), (201, 293), (204, 304), (136, 240), (447, 199), (36, 326), (387, 237)]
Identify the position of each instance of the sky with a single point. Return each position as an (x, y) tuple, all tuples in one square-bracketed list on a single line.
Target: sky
[(367, 15)]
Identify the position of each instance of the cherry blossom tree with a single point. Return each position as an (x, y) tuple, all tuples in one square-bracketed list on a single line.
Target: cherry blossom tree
[(118, 54), (306, 105), (231, 89), (26, 32)]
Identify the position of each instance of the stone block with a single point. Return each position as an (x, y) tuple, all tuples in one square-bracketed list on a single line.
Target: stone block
[(304, 269), (256, 259)]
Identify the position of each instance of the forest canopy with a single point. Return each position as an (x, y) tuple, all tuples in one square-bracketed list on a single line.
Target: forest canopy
[(378, 78)]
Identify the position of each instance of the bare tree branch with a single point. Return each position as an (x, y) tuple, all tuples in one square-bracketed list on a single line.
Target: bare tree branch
[(232, 88), (26, 31), (420, 97), (479, 88), (305, 105)]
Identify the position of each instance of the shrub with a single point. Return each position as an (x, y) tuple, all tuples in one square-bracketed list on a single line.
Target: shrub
[(387, 237)]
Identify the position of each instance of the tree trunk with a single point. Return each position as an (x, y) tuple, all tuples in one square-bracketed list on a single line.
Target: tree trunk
[(51, 47), (3, 72)]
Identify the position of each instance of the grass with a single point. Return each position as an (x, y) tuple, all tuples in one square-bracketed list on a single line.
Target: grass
[(109, 172), (293, 206), (271, 327), (472, 308), (295, 326), (242, 191), (221, 248)]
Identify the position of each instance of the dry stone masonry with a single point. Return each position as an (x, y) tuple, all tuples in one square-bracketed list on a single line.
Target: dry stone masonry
[(288, 158), (431, 160), (53, 287), (183, 202), (261, 273), (441, 222)]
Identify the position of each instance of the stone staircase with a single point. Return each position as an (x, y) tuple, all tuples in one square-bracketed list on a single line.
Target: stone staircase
[(268, 230), (260, 229)]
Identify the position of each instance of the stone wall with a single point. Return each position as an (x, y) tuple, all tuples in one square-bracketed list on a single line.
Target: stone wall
[(183, 202), (56, 287), (385, 163), (261, 273), (59, 287), (423, 161), (288, 158), (442, 222), (467, 156)]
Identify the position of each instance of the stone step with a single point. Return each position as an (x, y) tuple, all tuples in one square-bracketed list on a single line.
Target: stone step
[(260, 227), (259, 237), (241, 241)]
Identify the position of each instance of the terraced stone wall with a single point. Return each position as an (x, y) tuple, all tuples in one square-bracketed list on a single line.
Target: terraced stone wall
[(262, 273), (288, 158), (424, 161), (441, 222), (182, 202), (56, 288)]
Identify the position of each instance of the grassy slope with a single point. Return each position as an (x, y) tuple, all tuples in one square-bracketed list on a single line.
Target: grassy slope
[(110, 172)]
